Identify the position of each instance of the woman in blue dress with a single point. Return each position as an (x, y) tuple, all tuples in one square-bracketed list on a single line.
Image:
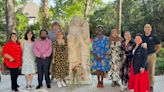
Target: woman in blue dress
[(100, 55)]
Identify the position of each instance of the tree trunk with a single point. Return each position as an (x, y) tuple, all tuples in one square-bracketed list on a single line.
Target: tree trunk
[(10, 17), (87, 4), (119, 11), (44, 14)]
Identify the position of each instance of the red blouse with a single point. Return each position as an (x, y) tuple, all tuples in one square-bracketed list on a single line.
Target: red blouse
[(14, 50)]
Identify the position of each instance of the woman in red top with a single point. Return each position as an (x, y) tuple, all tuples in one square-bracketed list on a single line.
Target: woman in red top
[(12, 54)]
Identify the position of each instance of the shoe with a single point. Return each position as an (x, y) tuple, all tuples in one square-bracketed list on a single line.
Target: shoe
[(39, 86), (151, 89), (113, 84), (98, 85), (122, 88), (16, 90), (101, 85), (63, 83), (59, 84), (27, 87), (30, 86), (18, 86), (48, 86)]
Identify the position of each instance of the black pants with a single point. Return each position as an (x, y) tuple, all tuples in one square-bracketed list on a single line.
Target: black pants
[(14, 76), (43, 67)]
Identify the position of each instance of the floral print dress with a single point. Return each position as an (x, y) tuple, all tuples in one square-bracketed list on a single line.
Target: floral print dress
[(100, 48), (60, 63), (125, 69), (116, 58)]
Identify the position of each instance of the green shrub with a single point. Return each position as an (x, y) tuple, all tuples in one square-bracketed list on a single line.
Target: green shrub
[(2, 39), (0, 56), (160, 66), (161, 53), (160, 62)]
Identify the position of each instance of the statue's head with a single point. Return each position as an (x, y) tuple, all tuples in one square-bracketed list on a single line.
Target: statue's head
[(76, 20)]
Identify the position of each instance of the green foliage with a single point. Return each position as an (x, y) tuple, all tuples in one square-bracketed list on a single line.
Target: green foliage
[(160, 62), (21, 23), (137, 13), (2, 15), (0, 56), (161, 53), (159, 66), (106, 17), (64, 10), (91, 56), (36, 28), (2, 39)]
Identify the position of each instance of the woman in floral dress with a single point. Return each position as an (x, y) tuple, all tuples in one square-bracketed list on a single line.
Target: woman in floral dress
[(127, 47), (60, 59), (28, 66), (100, 55), (116, 57)]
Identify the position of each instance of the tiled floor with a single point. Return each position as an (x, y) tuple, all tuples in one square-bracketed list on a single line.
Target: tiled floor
[(5, 86)]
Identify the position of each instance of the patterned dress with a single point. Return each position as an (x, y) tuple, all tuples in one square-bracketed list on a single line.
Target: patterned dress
[(127, 49), (100, 48), (28, 66), (116, 60), (60, 63)]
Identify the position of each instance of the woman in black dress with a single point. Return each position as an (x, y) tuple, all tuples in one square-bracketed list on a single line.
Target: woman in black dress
[(127, 47)]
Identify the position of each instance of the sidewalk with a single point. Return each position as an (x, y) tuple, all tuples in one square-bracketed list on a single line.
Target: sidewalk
[(5, 86)]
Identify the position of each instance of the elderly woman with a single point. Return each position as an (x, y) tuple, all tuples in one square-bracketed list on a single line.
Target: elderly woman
[(116, 57), (100, 55)]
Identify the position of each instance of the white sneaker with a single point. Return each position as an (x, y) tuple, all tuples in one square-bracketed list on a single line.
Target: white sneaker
[(59, 84), (63, 83)]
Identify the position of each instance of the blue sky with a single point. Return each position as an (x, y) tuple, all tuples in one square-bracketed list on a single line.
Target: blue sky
[(51, 1)]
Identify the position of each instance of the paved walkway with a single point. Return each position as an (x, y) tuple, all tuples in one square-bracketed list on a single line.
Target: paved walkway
[(5, 86)]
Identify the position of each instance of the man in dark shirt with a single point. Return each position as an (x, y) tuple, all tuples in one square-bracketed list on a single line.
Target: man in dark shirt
[(153, 47)]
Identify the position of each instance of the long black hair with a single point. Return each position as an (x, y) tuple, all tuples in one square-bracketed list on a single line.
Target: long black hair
[(33, 36)]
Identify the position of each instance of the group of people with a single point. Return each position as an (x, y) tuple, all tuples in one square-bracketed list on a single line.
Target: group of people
[(67, 58), (129, 63)]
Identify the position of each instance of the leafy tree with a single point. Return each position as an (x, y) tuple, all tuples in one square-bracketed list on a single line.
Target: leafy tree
[(21, 23), (2, 16)]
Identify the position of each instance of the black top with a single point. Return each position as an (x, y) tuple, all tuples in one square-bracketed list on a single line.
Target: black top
[(128, 48), (151, 41), (139, 59)]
